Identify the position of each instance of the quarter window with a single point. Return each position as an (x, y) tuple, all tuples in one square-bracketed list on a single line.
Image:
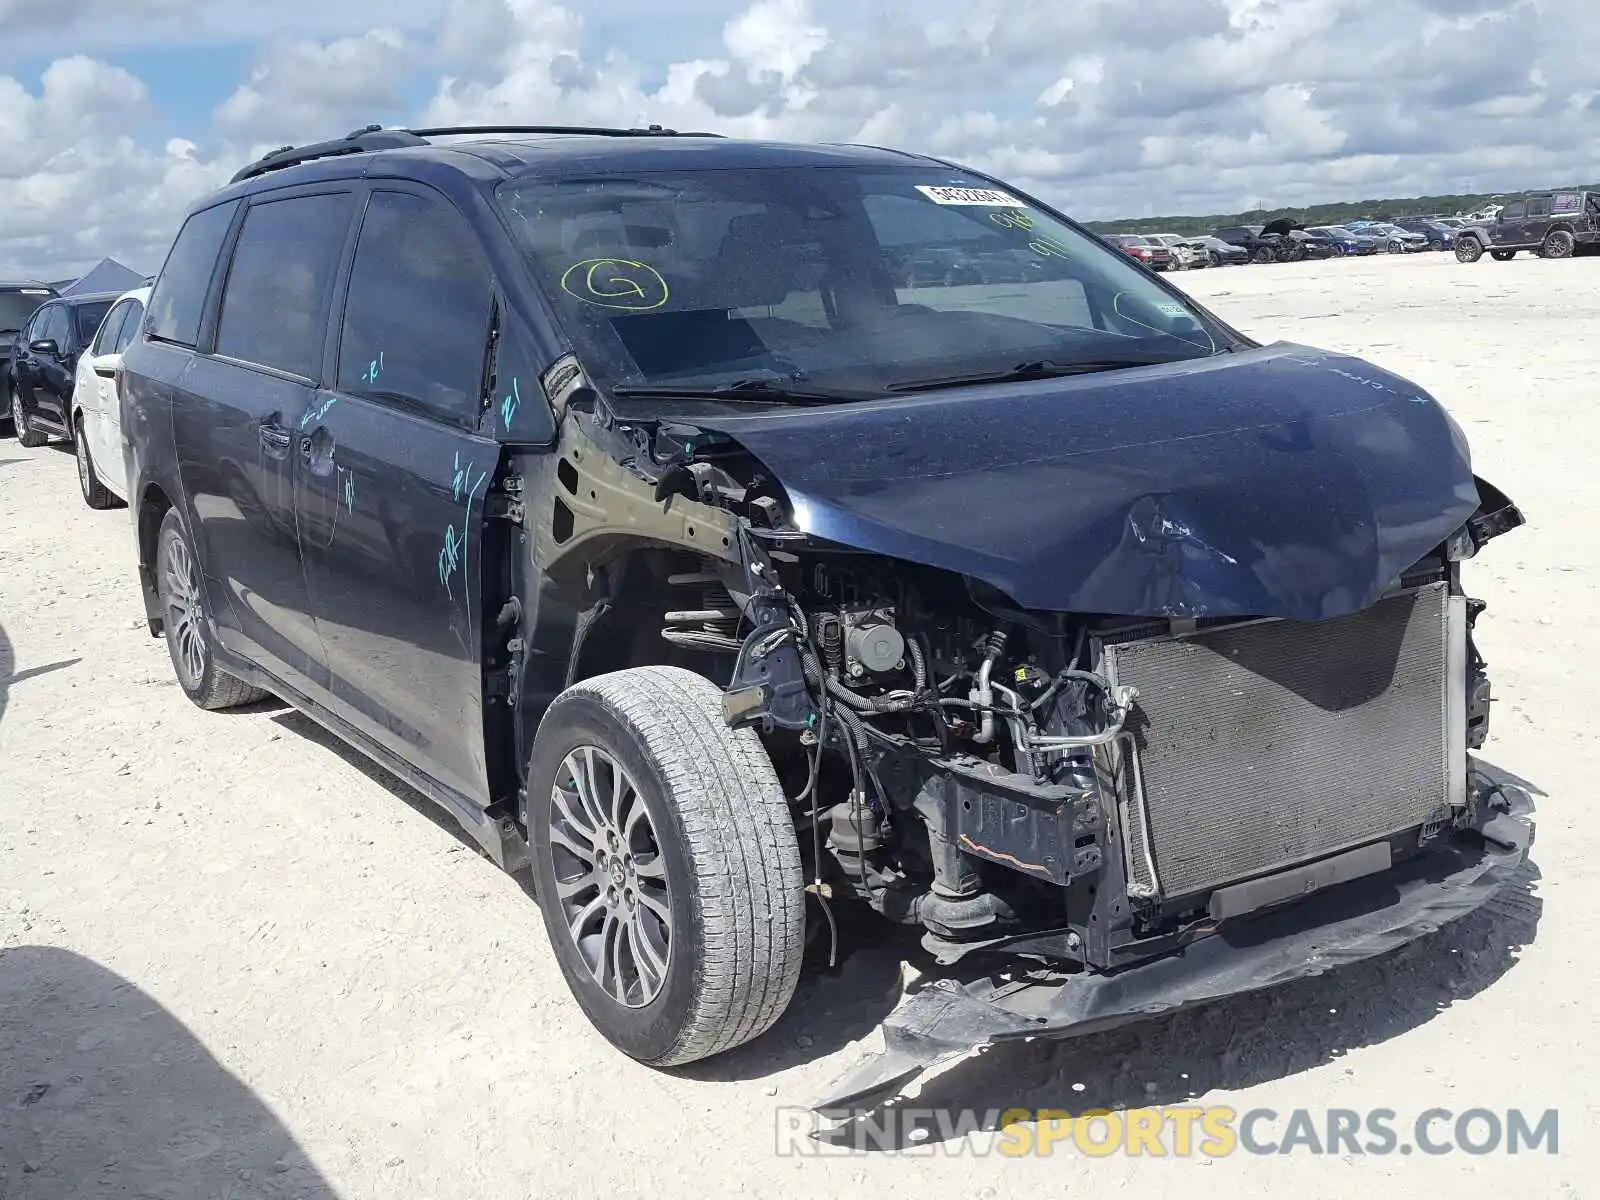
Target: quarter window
[(416, 318), (275, 306), (180, 293)]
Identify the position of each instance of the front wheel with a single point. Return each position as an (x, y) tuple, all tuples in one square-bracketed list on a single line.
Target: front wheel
[(27, 435), (1558, 243), (1469, 250), (1264, 254), (1216, 259), (186, 626), (665, 865)]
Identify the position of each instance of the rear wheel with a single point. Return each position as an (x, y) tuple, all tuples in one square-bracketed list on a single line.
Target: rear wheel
[(187, 628), (26, 433), (1469, 250), (1558, 243), (95, 493), (665, 865), (1216, 259)]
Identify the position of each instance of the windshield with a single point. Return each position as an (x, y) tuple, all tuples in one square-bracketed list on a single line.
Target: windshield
[(839, 278), (18, 305)]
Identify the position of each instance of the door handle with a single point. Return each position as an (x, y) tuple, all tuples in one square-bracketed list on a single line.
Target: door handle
[(274, 437)]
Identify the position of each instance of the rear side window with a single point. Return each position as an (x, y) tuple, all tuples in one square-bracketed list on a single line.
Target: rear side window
[(275, 305), (180, 294), (416, 319), (1539, 206), (89, 318), (105, 342), (1516, 208), (130, 327)]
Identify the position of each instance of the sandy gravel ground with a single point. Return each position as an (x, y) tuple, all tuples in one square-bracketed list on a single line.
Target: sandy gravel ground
[(237, 961)]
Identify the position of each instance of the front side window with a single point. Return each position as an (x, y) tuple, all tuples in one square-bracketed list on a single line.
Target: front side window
[(841, 276), (416, 319), (130, 327), (53, 325), (179, 298), (275, 304)]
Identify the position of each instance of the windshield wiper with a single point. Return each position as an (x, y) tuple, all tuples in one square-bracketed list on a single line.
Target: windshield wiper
[(755, 390), (1039, 368)]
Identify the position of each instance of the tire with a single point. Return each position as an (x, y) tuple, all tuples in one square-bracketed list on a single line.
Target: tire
[(1558, 243), (1216, 259), (715, 831), (26, 434), (1263, 254), (187, 626), (95, 493), (1470, 249), (1502, 255)]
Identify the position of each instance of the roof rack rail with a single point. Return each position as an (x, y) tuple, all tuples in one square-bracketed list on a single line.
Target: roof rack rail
[(377, 137), (577, 130), (371, 137)]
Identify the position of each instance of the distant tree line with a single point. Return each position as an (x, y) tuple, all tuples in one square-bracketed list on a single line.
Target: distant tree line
[(1316, 214)]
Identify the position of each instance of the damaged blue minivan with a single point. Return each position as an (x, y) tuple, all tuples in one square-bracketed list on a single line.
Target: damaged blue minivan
[(628, 493)]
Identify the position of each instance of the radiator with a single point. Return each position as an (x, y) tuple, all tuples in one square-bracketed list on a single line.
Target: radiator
[(1259, 745)]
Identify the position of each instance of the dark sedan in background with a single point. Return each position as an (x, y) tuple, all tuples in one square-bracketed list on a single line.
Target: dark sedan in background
[(19, 300)]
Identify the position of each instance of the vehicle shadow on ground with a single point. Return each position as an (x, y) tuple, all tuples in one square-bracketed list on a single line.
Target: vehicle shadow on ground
[(833, 1006), (9, 674), (105, 1093)]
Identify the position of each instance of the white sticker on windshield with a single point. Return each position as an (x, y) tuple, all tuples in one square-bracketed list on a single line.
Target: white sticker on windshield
[(961, 195), (1173, 310)]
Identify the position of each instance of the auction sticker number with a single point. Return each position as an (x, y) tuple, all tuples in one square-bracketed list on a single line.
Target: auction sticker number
[(988, 197)]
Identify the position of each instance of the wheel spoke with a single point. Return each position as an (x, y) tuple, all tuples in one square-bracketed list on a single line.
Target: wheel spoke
[(650, 868), (569, 807), (560, 837), (651, 959), (585, 915), (656, 905), (610, 976), (570, 889)]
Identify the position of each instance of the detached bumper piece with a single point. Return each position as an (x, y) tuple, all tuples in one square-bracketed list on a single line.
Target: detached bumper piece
[(1344, 924)]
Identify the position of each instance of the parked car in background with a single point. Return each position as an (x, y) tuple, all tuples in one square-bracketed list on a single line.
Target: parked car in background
[(1184, 256), (1555, 224), (1348, 240), (1218, 252), (45, 363), (19, 300), (1440, 236), (1262, 249), (1308, 243), (96, 403), (1395, 240), (1146, 250)]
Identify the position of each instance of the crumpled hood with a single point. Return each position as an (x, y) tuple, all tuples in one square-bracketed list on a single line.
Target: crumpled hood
[(1281, 481)]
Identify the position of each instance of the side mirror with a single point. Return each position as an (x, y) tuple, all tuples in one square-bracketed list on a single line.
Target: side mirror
[(45, 346)]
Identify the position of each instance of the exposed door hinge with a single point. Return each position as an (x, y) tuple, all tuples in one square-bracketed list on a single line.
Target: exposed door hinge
[(505, 502)]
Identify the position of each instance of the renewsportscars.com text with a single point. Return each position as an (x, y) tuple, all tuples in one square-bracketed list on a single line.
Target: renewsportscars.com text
[(1179, 1131)]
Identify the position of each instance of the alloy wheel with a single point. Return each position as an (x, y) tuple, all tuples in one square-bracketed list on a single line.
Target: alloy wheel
[(80, 451), (18, 421), (610, 876), (180, 594)]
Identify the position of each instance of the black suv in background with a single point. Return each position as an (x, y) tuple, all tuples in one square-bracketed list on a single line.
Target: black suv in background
[(18, 302), (44, 364), (1553, 224), (1262, 247), (615, 489)]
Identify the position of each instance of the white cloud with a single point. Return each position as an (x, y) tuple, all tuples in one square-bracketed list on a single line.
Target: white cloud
[(1176, 105)]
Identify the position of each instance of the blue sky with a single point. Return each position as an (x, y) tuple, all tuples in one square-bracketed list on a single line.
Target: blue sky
[(116, 114)]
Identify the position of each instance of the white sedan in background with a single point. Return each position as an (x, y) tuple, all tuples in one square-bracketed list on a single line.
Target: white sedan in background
[(1184, 255), (96, 407)]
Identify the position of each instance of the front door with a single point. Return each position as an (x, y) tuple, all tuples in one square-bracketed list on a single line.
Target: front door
[(236, 423), (390, 497)]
